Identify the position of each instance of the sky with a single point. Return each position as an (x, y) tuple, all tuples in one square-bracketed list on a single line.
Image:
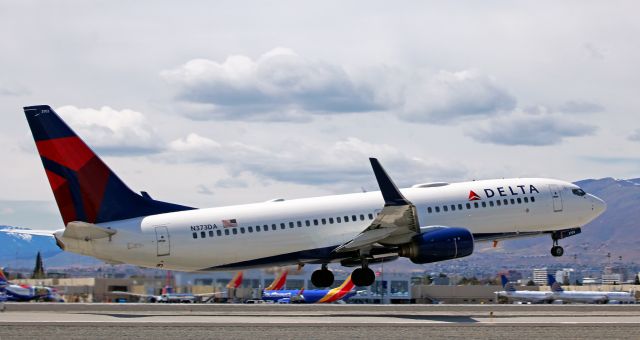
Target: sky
[(214, 103)]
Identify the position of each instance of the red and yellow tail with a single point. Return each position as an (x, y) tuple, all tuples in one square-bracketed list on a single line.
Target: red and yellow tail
[(338, 293), (279, 282), (236, 281)]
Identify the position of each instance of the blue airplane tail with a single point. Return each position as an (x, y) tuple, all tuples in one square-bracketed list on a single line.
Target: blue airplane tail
[(506, 285), (555, 285), (84, 187)]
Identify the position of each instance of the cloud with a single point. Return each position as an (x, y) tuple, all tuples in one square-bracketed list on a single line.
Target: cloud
[(113, 132), (635, 136), (521, 128), (204, 190), (581, 107), (594, 51), (345, 162), (13, 90), (283, 86), (450, 96), (278, 81)]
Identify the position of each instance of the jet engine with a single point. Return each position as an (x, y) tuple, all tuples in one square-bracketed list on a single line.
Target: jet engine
[(438, 244)]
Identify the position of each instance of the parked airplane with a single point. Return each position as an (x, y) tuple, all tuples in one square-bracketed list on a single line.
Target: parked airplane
[(279, 282), (530, 296), (25, 293), (426, 223), (584, 296), (343, 292), (168, 294)]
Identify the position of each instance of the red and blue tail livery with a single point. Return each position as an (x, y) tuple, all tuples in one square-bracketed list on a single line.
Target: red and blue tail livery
[(84, 187)]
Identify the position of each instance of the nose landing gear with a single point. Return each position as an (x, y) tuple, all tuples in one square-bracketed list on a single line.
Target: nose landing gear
[(556, 250)]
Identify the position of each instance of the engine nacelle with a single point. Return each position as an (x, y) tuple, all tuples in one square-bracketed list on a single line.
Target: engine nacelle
[(438, 244)]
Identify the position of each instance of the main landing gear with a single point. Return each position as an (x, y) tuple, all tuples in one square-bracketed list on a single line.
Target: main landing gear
[(363, 277), (322, 277)]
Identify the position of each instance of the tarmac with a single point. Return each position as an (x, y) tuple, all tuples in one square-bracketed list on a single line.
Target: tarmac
[(238, 321)]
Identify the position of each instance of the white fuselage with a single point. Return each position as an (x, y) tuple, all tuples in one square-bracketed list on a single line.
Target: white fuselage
[(527, 296), (306, 230), (593, 296)]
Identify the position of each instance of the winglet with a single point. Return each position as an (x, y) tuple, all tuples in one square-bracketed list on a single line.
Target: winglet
[(392, 196)]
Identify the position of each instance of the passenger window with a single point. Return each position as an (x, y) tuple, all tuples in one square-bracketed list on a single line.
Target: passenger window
[(506, 201), (533, 199), (484, 204), (307, 223), (468, 205), (445, 208), (354, 218), (219, 232), (437, 209), (459, 206), (519, 200), (499, 202), (429, 210), (315, 222), (330, 220), (282, 226), (513, 201), (291, 224), (242, 230), (299, 224), (475, 204), (195, 235), (324, 221), (491, 203), (226, 232), (526, 199), (250, 229), (257, 228), (210, 233), (235, 231), (346, 218), (361, 217), (274, 227), (203, 234), (338, 219), (453, 207), (370, 216)]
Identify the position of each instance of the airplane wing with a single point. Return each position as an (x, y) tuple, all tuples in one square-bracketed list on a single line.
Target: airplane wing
[(395, 224)]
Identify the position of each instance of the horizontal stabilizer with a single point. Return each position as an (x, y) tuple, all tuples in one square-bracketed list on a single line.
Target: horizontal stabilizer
[(86, 231)]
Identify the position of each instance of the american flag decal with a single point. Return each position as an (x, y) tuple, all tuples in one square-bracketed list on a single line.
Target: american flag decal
[(230, 223)]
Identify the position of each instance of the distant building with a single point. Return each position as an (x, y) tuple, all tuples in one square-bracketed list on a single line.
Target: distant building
[(568, 276), (540, 276), (612, 279)]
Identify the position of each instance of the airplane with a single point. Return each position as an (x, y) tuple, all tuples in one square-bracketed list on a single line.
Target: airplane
[(426, 223), (279, 281), (168, 294), (25, 293), (512, 294), (559, 294), (341, 293)]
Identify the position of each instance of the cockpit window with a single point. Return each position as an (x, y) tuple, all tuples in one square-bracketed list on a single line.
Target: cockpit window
[(578, 192)]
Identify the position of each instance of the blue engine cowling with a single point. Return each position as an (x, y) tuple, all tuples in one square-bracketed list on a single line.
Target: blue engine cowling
[(438, 244)]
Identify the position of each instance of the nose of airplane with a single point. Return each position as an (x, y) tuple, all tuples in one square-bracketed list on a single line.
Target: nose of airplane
[(598, 205)]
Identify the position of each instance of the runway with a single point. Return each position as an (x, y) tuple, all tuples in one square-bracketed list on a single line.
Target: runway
[(234, 321)]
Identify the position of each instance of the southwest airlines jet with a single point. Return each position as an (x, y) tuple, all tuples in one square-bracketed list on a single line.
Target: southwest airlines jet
[(426, 223), (275, 293)]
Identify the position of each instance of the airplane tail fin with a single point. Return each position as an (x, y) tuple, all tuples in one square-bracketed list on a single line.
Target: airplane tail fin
[(236, 281), (279, 282), (508, 286), (555, 285), (3, 279), (84, 187)]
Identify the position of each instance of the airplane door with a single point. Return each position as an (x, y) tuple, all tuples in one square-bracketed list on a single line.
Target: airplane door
[(162, 241), (557, 198)]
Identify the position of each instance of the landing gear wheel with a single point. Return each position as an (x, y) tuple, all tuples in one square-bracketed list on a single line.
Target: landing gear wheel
[(322, 278), (557, 251), (363, 277)]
